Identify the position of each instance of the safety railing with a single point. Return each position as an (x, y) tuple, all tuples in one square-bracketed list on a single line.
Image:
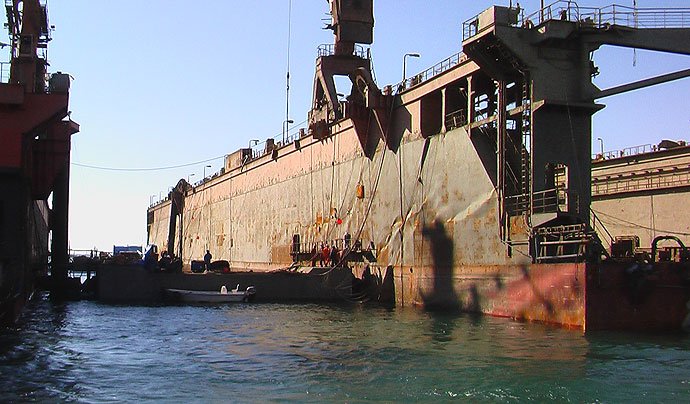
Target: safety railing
[(552, 200), (640, 183), (5, 68), (562, 243), (643, 17), (611, 15), (5, 72), (470, 27), (260, 149), (256, 150), (600, 228), (546, 201), (432, 72), (628, 151), (338, 251), (345, 243), (456, 119), (597, 17), (517, 204), (329, 50), (158, 201), (631, 151)]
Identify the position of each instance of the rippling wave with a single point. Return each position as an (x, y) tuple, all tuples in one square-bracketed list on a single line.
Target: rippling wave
[(89, 352)]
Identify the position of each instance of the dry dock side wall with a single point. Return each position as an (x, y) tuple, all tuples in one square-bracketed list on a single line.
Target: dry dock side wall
[(439, 185), (646, 216), (644, 194), (427, 204)]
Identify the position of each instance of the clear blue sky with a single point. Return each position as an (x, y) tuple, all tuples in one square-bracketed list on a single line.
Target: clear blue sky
[(168, 82)]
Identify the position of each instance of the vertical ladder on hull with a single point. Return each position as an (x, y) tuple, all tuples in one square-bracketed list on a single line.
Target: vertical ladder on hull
[(519, 172), (526, 128)]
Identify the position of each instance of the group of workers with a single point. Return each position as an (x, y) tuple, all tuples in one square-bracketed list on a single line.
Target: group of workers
[(166, 263), (330, 256), (327, 255)]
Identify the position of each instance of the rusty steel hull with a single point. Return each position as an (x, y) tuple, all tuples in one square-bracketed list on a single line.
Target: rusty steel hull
[(638, 297), (591, 297), (249, 215), (449, 245), (426, 195), (549, 293)]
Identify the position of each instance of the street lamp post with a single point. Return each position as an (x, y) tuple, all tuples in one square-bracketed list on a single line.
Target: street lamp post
[(251, 152), (285, 124), (601, 145), (205, 167), (190, 175), (412, 55), (541, 12)]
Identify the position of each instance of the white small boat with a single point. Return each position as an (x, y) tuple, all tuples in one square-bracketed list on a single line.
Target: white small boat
[(222, 296)]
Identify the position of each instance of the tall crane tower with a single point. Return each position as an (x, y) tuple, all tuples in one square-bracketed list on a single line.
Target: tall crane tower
[(352, 22)]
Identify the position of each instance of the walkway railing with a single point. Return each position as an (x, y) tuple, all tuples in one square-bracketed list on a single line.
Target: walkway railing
[(612, 15), (629, 151), (456, 119), (641, 183), (546, 201), (600, 228), (432, 72), (5, 72), (598, 17), (329, 50)]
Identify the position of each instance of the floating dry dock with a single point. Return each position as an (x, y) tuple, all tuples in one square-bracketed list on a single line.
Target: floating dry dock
[(470, 183)]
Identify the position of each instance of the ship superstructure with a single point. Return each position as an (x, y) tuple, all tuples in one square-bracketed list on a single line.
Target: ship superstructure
[(467, 186)]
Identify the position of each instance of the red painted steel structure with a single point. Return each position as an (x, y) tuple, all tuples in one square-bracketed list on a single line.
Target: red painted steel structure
[(34, 158), (585, 296)]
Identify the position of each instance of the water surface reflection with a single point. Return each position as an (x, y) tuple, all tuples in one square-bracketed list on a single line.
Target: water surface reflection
[(86, 351)]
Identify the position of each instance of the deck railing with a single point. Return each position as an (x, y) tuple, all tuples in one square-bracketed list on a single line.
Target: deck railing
[(613, 14), (630, 151), (433, 71), (655, 181), (597, 17)]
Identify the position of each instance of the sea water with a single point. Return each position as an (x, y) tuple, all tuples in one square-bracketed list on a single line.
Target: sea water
[(91, 352)]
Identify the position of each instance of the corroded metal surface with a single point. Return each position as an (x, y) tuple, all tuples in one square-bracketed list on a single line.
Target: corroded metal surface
[(638, 297), (249, 217), (450, 190), (548, 293)]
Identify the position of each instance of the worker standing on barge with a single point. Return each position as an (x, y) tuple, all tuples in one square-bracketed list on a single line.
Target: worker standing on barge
[(325, 255), (207, 260), (335, 255)]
